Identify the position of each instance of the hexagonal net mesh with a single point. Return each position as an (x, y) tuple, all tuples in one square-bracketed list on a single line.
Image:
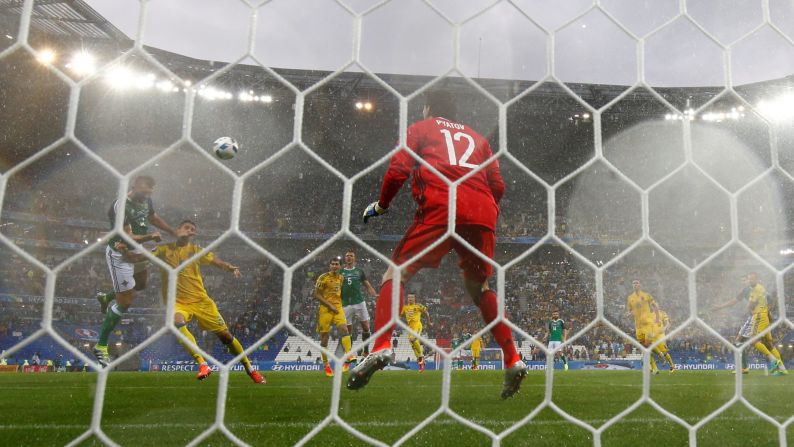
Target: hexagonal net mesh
[(656, 146)]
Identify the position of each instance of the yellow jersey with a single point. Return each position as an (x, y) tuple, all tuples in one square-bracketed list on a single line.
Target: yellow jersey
[(664, 320), (641, 305), (189, 283), (413, 313), (758, 299), (330, 287), (476, 344)]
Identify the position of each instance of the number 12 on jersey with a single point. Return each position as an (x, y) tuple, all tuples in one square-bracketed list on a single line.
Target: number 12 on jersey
[(453, 156)]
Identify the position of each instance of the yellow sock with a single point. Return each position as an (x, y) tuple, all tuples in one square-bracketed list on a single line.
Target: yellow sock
[(776, 353), (762, 348), (417, 348), (653, 362), (236, 348), (346, 343), (190, 348), (664, 354), (325, 357)]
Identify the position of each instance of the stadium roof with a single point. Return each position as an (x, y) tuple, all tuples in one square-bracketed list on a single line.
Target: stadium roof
[(66, 18)]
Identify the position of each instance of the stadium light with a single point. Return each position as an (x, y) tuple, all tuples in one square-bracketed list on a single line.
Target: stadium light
[(368, 106), (82, 63), (46, 56), (9, 37), (777, 109), (266, 98), (119, 78), (359, 105), (145, 81), (165, 86)]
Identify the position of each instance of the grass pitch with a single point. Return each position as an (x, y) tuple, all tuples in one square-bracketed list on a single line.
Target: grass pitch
[(163, 409)]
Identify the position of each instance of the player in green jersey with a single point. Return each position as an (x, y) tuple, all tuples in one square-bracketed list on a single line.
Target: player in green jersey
[(464, 338), (354, 279), (138, 213), (556, 334)]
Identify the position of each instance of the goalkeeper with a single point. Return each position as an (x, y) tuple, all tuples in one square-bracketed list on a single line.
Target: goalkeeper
[(454, 150)]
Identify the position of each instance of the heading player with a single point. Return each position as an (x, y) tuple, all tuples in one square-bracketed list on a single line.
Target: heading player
[(192, 300), (328, 291), (455, 150), (128, 277), (556, 335), (755, 294), (413, 317), (353, 298)]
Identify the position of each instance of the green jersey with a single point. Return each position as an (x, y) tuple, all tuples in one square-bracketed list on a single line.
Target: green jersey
[(556, 328), (352, 283), (136, 215), (465, 337)]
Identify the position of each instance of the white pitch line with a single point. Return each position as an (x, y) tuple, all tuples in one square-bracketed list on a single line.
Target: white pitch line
[(375, 424)]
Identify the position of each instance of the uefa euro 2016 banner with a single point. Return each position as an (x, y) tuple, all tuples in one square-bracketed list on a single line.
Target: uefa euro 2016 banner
[(175, 366)]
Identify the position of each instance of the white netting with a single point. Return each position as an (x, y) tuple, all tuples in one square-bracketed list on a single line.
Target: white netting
[(504, 153)]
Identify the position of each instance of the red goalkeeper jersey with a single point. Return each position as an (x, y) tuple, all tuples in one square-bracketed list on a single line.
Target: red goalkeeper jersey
[(455, 150)]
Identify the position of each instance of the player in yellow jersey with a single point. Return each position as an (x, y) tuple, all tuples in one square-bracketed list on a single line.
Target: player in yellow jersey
[(413, 317), (643, 308), (757, 322), (476, 349), (661, 327), (192, 300), (328, 291)]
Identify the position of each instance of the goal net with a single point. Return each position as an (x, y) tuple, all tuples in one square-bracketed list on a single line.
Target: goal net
[(648, 157)]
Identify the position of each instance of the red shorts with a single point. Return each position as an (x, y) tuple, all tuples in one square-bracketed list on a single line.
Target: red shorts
[(419, 236)]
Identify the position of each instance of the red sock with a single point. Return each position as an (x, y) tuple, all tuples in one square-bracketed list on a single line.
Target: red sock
[(383, 315), (501, 333)]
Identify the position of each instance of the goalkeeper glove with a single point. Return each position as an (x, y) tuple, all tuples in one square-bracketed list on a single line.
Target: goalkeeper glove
[(373, 210)]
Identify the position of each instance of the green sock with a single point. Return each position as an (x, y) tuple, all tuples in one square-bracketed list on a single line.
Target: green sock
[(112, 318), (564, 360), (109, 296)]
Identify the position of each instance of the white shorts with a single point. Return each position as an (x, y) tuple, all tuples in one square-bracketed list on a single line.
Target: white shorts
[(356, 312), (122, 272), (554, 345), (747, 328)]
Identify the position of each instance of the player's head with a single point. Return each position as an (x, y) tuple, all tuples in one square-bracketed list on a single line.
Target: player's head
[(142, 188), (186, 230), (350, 257), (411, 298), (752, 278), (555, 314), (440, 103), (334, 264), (637, 285)]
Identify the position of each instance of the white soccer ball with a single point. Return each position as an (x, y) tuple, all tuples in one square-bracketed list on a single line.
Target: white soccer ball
[(225, 148)]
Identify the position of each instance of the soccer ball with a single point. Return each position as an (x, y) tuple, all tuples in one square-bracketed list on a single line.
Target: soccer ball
[(225, 148)]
